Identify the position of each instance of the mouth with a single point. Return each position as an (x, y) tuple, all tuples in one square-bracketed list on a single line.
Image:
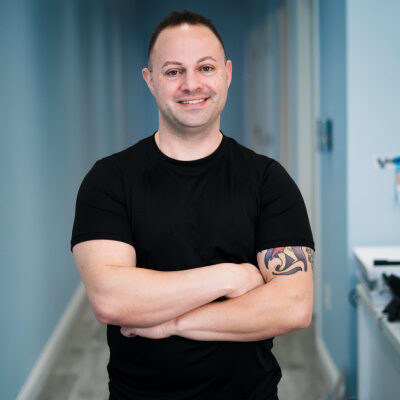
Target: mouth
[(193, 102)]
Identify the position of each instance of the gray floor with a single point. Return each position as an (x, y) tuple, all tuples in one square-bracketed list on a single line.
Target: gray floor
[(80, 373), (302, 378)]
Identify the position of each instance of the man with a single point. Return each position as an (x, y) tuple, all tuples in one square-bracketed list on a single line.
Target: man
[(168, 233)]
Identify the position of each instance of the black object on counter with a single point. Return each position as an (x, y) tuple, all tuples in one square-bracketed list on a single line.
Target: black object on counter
[(386, 262), (393, 308)]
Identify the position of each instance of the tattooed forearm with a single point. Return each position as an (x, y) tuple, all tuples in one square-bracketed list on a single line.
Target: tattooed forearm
[(288, 260)]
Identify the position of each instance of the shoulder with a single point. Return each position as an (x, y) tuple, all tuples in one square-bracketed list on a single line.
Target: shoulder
[(117, 164), (244, 153), (248, 160), (272, 178), (135, 153)]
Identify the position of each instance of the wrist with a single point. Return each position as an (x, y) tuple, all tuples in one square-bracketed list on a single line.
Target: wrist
[(179, 325), (173, 327), (229, 279)]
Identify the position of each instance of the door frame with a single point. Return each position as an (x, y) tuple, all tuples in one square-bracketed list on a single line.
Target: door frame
[(305, 160)]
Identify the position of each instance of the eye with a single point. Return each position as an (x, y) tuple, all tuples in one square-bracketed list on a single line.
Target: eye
[(207, 68), (172, 73)]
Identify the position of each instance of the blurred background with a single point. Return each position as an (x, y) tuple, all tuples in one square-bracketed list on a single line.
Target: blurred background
[(316, 85)]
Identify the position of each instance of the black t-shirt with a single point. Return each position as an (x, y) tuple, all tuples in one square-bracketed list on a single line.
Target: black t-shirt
[(225, 207)]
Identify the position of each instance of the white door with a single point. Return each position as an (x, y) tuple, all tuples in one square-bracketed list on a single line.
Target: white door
[(281, 84)]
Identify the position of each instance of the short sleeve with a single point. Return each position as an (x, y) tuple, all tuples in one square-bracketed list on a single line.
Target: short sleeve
[(283, 219), (101, 210)]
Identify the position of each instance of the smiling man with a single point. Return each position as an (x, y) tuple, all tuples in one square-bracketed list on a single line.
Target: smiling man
[(193, 249)]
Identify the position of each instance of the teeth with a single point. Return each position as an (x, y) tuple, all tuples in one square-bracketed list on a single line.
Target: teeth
[(192, 101)]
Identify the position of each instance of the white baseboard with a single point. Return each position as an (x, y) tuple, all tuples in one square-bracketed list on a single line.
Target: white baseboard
[(331, 373), (39, 373)]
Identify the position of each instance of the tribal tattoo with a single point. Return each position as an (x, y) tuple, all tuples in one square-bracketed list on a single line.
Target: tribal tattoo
[(288, 260), (310, 254)]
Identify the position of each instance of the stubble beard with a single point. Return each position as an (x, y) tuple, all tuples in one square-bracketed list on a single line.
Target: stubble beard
[(178, 122)]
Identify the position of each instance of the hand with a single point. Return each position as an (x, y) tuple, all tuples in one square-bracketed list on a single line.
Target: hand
[(246, 277), (161, 331)]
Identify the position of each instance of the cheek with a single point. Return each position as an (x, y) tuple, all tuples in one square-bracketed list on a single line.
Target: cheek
[(221, 86), (169, 91), (162, 87), (162, 95)]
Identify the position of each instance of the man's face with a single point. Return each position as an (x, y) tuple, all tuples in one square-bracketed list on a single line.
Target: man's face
[(189, 77)]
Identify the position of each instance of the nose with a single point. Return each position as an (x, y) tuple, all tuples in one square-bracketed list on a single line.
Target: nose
[(190, 82)]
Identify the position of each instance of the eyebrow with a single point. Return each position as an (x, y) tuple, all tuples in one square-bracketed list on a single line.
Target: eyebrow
[(179, 63)]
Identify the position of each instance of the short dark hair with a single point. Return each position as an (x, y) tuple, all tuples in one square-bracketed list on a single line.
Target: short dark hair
[(176, 18)]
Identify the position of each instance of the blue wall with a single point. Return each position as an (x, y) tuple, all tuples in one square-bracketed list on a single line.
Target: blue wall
[(333, 187), (66, 98), (71, 92), (359, 86), (373, 126), (373, 65)]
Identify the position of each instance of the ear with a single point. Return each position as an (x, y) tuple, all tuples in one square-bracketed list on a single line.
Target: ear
[(148, 78), (229, 71)]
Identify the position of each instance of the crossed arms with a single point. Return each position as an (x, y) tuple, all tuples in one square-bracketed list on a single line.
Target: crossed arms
[(260, 303)]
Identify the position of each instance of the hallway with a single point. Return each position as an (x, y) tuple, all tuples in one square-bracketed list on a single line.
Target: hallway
[(80, 372), (315, 86)]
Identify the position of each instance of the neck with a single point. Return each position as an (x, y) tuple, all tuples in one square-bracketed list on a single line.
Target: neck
[(188, 145)]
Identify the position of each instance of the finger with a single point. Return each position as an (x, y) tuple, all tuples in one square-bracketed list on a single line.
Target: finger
[(127, 332)]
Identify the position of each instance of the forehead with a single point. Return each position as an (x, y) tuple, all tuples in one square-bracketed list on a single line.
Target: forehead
[(185, 43)]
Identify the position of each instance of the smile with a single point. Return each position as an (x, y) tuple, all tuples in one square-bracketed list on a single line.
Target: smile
[(193, 101)]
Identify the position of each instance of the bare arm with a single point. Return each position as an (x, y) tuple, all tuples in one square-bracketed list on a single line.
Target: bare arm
[(122, 294), (282, 305)]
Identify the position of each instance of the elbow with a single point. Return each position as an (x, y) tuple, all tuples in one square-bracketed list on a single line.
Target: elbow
[(299, 313), (105, 310), (109, 312), (101, 318), (302, 303), (304, 317), (305, 322), (102, 311)]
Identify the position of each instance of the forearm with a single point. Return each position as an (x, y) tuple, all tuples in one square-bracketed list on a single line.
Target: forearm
[(142, 297), (259, 314)]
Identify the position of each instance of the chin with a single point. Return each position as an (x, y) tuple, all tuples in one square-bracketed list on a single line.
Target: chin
[(197, 123), (196, 126)]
